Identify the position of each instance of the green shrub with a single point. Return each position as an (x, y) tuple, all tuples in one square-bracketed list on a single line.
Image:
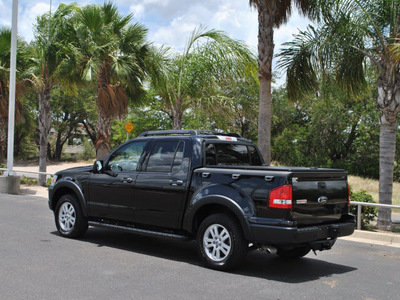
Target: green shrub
[(28, 181), (88, 151), (48, 181), (2, 166), (368, 213)]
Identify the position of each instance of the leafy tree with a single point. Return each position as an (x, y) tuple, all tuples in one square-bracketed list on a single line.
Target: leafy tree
[(240, 116), (197, 77), (22, 65), (326, 129), (110, 54), (353, 32), (70, 109), (272, 14), (143, 119), (25, 133)]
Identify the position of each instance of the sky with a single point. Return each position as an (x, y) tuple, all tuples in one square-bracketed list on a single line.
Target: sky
[(170, 22)]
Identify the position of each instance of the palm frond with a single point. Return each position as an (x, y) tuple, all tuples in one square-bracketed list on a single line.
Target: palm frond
[(300, 60)]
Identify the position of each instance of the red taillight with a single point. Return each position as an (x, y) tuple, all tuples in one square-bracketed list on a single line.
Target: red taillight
[(281, 197)]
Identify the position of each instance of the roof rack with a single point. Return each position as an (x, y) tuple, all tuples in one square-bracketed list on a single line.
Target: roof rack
[(186, 132)]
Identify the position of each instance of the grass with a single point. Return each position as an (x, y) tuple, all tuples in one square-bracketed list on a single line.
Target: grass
[(371, 186)]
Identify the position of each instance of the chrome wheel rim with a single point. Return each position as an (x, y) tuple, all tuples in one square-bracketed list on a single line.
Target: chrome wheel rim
[(217, 242), (67, 216)]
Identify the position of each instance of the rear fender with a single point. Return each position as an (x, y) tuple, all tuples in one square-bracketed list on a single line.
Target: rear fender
[(231, 199)]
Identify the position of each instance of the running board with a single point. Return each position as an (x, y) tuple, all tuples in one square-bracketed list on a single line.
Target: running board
[(139, 231)]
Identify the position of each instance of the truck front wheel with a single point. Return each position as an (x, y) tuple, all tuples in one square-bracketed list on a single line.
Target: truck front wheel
[(221, 242), (69, 218)]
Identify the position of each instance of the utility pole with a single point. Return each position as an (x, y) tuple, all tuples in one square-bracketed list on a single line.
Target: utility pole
[(10, 183)]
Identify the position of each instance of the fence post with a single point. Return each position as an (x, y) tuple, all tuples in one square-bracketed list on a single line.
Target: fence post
[(359, 216)]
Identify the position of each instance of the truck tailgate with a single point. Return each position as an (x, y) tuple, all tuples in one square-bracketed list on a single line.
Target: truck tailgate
[(319, 197)]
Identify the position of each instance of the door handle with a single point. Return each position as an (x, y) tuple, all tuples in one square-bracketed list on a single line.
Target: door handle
[(176, 182), (127, 180)]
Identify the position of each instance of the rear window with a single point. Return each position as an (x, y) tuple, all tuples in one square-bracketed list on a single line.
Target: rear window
[(232, 155)]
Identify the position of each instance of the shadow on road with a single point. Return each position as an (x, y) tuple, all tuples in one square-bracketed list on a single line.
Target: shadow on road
[(258, 264)]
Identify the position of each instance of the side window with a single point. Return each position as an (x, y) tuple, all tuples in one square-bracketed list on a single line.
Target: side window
[(162, 156), (231, 155), (178, 157), (126, 159), (211, 158), (254, 156)]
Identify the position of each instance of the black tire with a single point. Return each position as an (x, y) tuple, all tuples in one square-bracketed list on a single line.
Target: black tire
[(69, 218), (293, 253), (221, 242)]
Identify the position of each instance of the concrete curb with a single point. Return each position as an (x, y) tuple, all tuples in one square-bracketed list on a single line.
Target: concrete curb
[(375, 238)]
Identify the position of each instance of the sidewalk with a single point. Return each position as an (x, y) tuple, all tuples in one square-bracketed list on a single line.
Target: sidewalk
[(375, 238)]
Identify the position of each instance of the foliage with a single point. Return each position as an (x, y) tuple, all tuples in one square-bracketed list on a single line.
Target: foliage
[(23, 54), (88, 151), (143, 119), (3, 167), (70, 109), (327, 129), (49, 180), (28, 181), (198, 77), (368, 213)]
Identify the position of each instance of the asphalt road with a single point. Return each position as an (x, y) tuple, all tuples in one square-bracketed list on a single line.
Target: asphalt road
[(36, 263)]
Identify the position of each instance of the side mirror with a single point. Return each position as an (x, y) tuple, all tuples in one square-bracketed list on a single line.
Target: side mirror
[(98, 167)]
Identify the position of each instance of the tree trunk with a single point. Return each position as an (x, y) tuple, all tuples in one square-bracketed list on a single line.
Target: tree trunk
[(3, 137), (389, 104), (102, 144), (265, 54), (44, 129), (177, 114), (387, 147), (91, 132), (58, 149)]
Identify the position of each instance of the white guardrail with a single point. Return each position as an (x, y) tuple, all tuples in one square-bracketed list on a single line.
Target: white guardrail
[(29, 172), (359, 204)]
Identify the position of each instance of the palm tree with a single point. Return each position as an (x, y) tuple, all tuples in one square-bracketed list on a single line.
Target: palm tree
[(112, 54), (52, 37), (5, 48), (354, 33), (198, 77), (272, 14)]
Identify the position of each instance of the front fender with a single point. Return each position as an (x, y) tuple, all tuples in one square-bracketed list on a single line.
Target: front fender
[(224, 196), (67, 186)]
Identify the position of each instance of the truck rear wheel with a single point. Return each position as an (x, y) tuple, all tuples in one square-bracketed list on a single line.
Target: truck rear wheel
[(296, 252), (221, 242)]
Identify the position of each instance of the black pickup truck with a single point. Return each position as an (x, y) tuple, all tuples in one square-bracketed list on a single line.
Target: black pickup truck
[(211, 187)]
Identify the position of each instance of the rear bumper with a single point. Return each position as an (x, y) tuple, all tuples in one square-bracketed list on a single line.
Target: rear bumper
[(278, 235)]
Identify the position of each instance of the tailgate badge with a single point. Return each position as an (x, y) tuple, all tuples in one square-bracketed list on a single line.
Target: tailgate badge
[(323, 200), (301, 201)]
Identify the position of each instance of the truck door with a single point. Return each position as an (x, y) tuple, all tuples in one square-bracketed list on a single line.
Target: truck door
[(161, 186), (111, 193)]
